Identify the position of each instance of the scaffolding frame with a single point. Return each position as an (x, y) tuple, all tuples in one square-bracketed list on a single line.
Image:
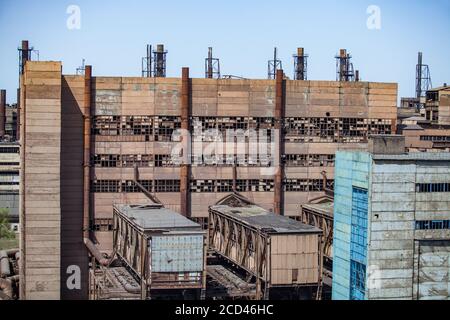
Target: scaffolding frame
[(212, 66), (300, 65), (344, 67), (423, 80), (273, 66)]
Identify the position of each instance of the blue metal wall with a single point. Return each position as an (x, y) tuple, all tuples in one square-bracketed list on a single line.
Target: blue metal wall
[(177, 253), (352, 171), (358, 244)]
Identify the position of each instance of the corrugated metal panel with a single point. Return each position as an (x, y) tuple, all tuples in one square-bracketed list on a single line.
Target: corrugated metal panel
[(434, 267), (177, 253), (352, 170)]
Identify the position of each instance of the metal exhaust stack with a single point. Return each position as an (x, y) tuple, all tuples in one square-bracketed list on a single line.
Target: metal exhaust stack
[(344, 67), (300, 65), (159, 57), (25, 55)]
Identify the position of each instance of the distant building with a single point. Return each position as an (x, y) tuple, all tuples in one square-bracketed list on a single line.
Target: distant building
[(437, 105), (427, 130), (391, 223), (11, 122), (9, 180)]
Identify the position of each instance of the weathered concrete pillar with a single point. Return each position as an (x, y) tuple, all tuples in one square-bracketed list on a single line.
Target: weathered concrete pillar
[(185, 171), (87, 150), (280, 102)]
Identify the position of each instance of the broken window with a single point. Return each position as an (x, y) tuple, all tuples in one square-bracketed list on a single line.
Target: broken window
[(105, 186), (167, 185), (433, 187), (433, 225), (165, 126)]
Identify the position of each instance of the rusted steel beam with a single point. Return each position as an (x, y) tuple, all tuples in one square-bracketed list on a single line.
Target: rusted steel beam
[(87, 142), (146, 192), (280, 103), (2, 112), (185, 170)]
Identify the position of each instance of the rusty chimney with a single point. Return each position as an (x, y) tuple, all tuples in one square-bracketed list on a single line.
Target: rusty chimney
[(356, 75), (159, 58), (300, 64), (2, 112), (24, 55)]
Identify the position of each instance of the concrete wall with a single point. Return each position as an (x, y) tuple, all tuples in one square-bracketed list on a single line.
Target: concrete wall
[(394, 242), (40, 202)]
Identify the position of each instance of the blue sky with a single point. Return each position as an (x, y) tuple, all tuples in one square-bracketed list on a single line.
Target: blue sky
[(113, 36)]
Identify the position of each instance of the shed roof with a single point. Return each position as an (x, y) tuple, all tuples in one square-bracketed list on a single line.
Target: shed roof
[(156, 217), (263, 220), (325, 208)]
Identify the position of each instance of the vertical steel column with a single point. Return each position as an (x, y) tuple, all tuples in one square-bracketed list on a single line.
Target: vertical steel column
[(185, 171), (22, 215), (18, 116), (343, 65), (209, 69), (419, 76), (87, 151), (149, 61), (24, 55), (2, 112), (279, 115)]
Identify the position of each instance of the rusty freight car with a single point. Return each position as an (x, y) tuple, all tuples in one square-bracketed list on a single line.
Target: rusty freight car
[(164, 249), (276, 251)]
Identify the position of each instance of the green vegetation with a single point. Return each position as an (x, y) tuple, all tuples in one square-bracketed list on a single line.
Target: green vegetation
[(5, 229), (7, 236)]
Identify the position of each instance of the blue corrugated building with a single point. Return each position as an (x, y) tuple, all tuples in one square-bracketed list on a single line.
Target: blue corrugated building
[(391, 225)]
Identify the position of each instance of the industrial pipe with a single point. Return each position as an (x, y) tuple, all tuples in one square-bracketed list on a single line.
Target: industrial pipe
[(125, 283), (87, 151), (185, 170), (6, 287), (12, 252), (5, 270), (279, 114), (96, 253)]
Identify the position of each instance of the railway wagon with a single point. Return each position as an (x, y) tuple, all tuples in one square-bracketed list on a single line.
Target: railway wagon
[(277, 251), (165, 250)]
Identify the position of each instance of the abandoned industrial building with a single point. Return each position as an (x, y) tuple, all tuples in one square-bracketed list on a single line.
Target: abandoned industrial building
[(93, 138), (159, 187), (391, 231)]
